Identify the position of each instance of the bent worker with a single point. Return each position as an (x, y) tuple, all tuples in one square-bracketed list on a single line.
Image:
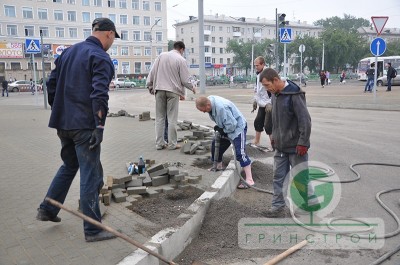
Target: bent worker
[(232, 125)]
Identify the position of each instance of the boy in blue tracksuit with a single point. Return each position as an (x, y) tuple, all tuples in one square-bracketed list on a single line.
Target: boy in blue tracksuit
[(231, 124)]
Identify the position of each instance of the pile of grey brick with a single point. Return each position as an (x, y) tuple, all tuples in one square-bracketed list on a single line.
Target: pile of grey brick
[(199, 143), (145, 116), (130, 189), (121, 113)]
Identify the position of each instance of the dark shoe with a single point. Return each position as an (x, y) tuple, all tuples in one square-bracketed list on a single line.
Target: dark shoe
[(387, 90), (103, 235), (44, 216), (275, 212)]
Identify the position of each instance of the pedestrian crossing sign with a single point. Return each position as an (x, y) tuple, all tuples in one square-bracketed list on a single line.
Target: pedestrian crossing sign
[(285, 35), (32, 46)]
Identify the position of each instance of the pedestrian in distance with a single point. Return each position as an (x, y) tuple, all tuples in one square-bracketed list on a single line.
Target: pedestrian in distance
[(4, 85), (262, 100), (167, 80), (391, 73), (370, 78), (322, 77), (79, 108), (32, 86), (232, 126), (328, 76), (290, 136), (342, 77)]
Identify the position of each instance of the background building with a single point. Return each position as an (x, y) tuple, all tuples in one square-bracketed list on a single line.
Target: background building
[(142, 25), (219, 29)]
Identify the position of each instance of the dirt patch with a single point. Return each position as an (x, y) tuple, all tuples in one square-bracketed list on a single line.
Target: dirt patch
[(164, 209), (217, 241)]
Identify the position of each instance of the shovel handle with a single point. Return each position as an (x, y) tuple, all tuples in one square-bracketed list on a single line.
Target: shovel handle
[(286, 253)]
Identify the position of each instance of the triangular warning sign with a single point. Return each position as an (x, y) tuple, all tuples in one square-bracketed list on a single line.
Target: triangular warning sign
[(379, 23), (33, 47)]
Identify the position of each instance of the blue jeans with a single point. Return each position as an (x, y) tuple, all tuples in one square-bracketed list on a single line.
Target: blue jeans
[(282, 164), (389, 80), (239, 144), (369, 85), (76, 155)]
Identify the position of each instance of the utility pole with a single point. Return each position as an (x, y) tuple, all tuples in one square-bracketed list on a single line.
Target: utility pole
[(276, 41), (43, 70), (202, 71)]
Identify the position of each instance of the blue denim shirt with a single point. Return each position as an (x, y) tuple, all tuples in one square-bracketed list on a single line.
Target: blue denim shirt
[(78, 86), (227, 116)]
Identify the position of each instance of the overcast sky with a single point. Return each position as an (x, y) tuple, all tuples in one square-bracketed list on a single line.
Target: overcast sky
[(303, 10)]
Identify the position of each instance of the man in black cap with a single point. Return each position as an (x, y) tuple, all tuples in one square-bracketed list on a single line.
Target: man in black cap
[(78, 96)]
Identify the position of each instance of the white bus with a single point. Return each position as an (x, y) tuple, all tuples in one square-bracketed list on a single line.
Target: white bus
[(365, 63)]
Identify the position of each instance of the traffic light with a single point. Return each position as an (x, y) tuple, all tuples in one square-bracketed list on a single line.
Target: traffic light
[(281, 20), (271, 48)]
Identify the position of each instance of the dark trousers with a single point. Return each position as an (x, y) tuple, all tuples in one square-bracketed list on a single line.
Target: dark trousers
[(76, 155), (389, 79), (6, 90)]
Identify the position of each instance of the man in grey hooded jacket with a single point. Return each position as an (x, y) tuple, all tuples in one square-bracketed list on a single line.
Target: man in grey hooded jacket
[(291, 130)]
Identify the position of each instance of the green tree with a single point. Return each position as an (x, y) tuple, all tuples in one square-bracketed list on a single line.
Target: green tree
[(171, 45), (348, 23), (311, 54)]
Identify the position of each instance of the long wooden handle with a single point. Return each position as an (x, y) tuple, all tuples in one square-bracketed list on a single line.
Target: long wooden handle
[(286, 253), (109, 229)]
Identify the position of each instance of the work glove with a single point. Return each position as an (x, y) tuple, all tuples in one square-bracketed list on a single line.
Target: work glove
[(220, 130), (96, 138), (301, 150), (254, 106)]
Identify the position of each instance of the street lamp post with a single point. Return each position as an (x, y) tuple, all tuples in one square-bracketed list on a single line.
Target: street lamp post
[(151, 42)]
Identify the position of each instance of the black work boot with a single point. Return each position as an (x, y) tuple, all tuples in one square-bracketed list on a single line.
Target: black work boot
[(44, 216), (103, 235), (276, 212)]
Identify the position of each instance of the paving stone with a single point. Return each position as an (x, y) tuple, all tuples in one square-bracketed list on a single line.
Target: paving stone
[(135, 182), (160, 180), (155, 168), (122, 180), (186, 148), (118, 186), (183, 187), (119, 196), (179, 177), (147, 182), (201, 152), (172, 171), (104, 189), (109, 181), (193, 149), (199, 176), (187, 122), (127, 205), (136, 190), (151, 193), (158, 173), (107, 198), (206, 142), (137, 197), (168, 189), (193, 180)]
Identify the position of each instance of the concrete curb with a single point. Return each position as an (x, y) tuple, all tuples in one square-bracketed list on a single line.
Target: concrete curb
[(170, 242)]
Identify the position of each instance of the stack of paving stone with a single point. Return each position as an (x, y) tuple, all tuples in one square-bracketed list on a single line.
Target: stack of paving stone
[(120, 113), (161, 178), (145, 116), (199, 143)]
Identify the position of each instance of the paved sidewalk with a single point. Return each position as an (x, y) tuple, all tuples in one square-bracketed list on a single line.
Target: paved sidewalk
[(29, 159)]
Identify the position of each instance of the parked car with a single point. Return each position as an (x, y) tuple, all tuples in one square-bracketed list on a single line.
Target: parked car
[(382, 81), (19, 86), (122, 82), (214, 80), (239, 79)]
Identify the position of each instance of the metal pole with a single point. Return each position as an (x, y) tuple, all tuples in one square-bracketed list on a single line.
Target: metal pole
[(276, 41), (252, 59), (284, 60), (376, 71), (202, 71), (151, 42), (44, 88), (323, 56), (301, 65), (34, 78)]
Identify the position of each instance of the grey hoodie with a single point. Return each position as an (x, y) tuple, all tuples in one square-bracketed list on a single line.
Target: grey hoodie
[(290, 118)]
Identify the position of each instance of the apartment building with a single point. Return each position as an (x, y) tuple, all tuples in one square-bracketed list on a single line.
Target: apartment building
[(142, 25), (219, 29)]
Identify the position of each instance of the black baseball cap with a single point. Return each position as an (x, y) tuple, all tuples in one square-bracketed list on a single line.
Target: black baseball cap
[(104, 24)]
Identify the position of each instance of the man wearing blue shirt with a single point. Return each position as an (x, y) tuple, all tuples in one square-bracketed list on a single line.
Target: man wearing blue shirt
[(231, 124), (78, 96)]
